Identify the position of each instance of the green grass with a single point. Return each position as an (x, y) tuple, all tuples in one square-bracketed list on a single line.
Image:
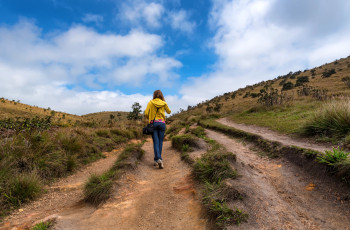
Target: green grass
[(333, 157), (99, 187), (331, 120), (178, 142), (42, 226), (211, 170), (214, 167), (22, 188), (29, 160), (283, 119)]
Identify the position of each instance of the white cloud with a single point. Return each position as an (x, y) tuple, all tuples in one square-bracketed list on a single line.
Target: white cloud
[(95, 18), (37, 68), (260, 39), (139, 12), (179, 20)]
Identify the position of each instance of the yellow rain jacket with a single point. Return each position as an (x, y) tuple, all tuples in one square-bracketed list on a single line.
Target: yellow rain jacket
[(151, 109)]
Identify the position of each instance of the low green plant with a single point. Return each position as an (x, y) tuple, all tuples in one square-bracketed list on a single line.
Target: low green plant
[(42, 226), (213, 167), (179, 141), (23, 188), (333, 157), (97, 188), (198, 131), (185, 147)]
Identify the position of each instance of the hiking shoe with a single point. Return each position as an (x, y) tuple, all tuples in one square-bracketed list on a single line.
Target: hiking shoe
[(160, 164), (155, 163)]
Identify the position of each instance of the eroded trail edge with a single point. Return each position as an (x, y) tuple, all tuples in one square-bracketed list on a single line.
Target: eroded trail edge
[(278, 195)]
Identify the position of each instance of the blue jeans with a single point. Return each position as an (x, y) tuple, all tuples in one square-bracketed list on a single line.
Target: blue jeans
[(158, 137)]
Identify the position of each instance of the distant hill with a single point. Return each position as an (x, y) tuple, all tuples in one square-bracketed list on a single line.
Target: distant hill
[(13, 109), (16, 109)]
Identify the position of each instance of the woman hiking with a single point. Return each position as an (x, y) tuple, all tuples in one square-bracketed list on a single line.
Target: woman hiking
[(156, 111)]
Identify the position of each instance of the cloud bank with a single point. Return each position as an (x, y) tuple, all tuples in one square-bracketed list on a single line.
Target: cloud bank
[(66, 70), (257, 40)]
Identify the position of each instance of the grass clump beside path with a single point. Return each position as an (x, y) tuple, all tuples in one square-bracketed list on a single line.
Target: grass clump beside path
[(42, 226), (31, 158), (99, 187), (211, 170), (332, 120), (338, 162)]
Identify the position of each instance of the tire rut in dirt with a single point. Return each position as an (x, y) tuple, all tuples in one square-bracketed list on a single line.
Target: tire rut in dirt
[(278, 195)]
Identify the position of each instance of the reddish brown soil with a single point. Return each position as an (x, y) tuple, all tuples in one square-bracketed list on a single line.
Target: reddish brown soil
[(278, 195)]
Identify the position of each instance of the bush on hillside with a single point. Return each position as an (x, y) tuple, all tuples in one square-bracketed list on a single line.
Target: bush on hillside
[(305, 90), (328, 73), (346, 80), (287, 86), (320, 94), (301, 80), (273, 97)]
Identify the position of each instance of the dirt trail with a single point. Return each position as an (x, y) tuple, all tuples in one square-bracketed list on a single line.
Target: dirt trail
[(278, 195), (61, 195), (274, 136), (147, 198)]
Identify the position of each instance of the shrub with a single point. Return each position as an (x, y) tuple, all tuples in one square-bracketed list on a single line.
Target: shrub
[(346, 80), (301, 80), (333, 157), (23, 188), (305, 90), (332, 119), (213, 167), (328, 73), (103, 133), (287, 86), (42, 226), (320, 94), (178, 141), (273, 97), (198, 131), (97, 188)]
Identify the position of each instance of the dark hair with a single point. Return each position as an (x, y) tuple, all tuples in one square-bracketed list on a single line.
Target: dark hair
[(158, 94)]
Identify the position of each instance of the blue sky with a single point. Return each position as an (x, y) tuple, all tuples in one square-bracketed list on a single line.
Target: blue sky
[(102, 55)]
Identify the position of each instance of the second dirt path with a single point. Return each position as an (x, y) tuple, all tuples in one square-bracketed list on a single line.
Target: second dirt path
[(278, 195), (147, 198), (274, 136)]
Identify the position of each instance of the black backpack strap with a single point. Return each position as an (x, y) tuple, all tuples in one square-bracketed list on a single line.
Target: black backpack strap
[(155, 115)]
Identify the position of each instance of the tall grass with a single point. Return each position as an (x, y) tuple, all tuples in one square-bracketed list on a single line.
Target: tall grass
[(211, 170), (99, 187), (333, 119), (29, 160)]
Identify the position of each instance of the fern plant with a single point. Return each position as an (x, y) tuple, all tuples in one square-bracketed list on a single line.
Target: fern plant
[(333, 157)]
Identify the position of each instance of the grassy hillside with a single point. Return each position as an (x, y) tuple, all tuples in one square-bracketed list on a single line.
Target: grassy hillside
[(13, 109), (39, 145), (286, 104)]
